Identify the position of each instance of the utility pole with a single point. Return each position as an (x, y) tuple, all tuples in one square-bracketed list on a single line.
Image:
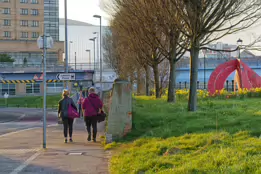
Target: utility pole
[(75, 61), (66, 39)]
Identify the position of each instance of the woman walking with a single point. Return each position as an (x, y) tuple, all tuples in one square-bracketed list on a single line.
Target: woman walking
[(92, 106), (63, 106)]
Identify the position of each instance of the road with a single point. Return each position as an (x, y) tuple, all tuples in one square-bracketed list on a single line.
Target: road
[(16, 119)]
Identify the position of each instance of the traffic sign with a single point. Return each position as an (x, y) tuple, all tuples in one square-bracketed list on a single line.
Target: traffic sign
[(6, 95), (66, 76)]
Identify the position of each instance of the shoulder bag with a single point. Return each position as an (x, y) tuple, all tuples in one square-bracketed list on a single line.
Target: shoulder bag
[(100, 116)]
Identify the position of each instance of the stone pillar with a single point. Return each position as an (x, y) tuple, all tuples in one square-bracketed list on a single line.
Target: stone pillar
[(120, 111)]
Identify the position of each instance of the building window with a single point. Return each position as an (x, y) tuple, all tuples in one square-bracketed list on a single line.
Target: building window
[(8, 88), (24, 34), (7, 34), (35, 24), (34, 1), (7, 22), (34, 12), (5, 0), (32, 88), (6, 11), (24, 23), (35, 34), (24, 11), (24, 1)]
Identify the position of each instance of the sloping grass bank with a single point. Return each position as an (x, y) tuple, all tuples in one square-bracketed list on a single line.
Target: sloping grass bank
[(221, 137)]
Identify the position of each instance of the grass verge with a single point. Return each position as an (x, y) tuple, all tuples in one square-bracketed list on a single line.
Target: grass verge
[(31, 101), (221, 137)]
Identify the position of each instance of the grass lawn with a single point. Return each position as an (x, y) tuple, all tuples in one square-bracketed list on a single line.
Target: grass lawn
[(221, 137), (32, 101)]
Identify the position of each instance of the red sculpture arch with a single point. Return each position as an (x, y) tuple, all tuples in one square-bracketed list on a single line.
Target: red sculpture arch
[(245, 77)]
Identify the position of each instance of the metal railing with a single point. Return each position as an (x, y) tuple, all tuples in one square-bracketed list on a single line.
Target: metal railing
[(10, 67)]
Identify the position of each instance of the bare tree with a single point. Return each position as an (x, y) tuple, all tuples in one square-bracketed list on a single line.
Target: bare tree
[(132, 27), (206, 21)]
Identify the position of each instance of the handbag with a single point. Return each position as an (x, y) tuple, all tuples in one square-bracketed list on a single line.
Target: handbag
[(72, 113), (100, 116)]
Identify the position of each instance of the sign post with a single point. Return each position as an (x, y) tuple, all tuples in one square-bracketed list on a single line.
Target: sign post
[(65, 76), (44, 42), (6, 97)]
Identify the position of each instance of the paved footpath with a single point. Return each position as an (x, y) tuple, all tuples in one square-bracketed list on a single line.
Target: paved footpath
[(22, 153)]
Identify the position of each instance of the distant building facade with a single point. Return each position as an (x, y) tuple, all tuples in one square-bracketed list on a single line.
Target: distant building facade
[(21, 23), (81, 49)]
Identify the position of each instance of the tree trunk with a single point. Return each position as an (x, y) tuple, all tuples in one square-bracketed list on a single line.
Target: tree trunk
[(172, 73), (156, 80), (139, 81), (192, 103), (172, 81), (147, 80)]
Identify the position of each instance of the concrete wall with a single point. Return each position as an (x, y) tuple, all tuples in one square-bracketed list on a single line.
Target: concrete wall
[(120, 111), (21, 89)]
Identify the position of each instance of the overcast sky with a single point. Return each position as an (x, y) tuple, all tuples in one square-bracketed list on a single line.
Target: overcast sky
[(83, 10)]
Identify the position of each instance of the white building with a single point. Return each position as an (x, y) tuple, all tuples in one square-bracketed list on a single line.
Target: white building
[(219, 54), (79, 35)]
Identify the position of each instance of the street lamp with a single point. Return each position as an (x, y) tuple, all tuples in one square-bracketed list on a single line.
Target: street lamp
[(70, 51), (44, 42), (99, 17), (239, 43), (97, 33), (204, 52), (93, 39), (89, 56)]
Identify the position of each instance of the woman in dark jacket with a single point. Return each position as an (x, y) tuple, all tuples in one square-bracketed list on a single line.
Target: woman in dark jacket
[(63, 113)]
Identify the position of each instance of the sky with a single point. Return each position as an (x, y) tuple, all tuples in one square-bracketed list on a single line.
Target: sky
[(83, 10)]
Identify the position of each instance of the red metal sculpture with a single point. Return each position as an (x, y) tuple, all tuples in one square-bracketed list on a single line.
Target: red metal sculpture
[(245, 77)]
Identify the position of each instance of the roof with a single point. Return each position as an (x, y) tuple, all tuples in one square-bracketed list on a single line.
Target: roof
[(73, 22)]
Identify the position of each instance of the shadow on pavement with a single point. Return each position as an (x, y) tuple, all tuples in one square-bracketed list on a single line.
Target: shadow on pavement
[(7, 166)]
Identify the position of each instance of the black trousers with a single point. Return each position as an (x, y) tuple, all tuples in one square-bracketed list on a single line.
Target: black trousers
[(91, 122), (67, 124)]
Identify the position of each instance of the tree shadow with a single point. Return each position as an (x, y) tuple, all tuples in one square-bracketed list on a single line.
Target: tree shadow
[(8, 165), (158, 119)]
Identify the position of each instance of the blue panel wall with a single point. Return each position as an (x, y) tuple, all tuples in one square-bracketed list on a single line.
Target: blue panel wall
[(50, 76)]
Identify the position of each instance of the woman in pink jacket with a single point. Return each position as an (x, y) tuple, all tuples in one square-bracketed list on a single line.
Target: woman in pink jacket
[(92, 105)]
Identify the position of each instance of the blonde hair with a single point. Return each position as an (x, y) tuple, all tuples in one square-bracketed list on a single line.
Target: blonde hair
[(91, 90), (65, 93)]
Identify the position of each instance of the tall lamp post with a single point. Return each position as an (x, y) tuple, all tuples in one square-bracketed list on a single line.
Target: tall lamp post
[(97, 33), (204, 52), (93, 39), (66, 40), (44, 42), (69, 61), (99, 17), (89, 56), (239, 44)]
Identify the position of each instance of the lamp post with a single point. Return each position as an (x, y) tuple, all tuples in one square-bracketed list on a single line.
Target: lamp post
[(89, 56), (70, 51), (97, 33), (66, 40), (44, 42), (93, 39), (99, 17), (239, 44), (204, 52)]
